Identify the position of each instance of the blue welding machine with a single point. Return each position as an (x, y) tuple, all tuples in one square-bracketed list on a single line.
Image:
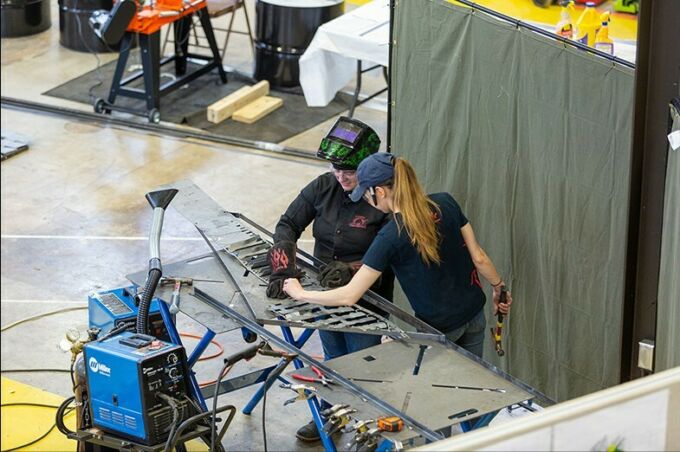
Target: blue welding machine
[(110, 308), (125, 375)]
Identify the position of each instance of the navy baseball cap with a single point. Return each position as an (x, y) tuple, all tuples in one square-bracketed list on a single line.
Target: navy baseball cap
[(373, 171)]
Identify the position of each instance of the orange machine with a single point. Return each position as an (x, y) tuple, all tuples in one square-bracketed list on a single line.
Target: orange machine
[(162, 12)]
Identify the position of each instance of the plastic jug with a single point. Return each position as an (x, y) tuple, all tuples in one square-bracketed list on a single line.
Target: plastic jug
[(565, 27), (602, 40), (587, 25)]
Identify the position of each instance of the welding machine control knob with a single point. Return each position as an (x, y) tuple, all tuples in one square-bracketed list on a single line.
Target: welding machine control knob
[(173, 372), (172, 358)]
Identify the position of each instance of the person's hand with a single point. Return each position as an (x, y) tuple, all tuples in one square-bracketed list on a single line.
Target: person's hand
[(281, 260), (504, 308), (275, 288), (335, 274), (293, 288)]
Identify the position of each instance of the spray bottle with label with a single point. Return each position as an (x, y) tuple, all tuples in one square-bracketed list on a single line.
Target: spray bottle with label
[(587, 25), (602, 40), (564, 27)]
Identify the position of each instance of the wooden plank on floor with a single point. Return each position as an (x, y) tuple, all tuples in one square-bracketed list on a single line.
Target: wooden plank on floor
[(257, 109), (225, 107)]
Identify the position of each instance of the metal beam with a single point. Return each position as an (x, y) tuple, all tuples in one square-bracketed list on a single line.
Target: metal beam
[(657, 78)]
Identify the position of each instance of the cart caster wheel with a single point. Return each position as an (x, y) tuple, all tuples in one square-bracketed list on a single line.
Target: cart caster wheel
[(154, 116), (99, 105)]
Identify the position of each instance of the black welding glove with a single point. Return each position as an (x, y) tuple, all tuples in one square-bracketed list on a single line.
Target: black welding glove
[(281, 259), (260, 265), (336, 274)]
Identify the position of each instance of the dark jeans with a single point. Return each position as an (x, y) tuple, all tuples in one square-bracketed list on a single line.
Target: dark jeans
[(339, 344), (471, 335)]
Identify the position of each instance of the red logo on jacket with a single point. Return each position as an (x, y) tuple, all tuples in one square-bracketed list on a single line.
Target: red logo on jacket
[(359, 221)]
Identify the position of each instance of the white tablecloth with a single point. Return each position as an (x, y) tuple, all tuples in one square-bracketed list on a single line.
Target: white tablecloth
[(330, 61)]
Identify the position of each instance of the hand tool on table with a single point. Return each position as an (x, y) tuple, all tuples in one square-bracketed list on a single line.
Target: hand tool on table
[(496, 333), (304, 392), (471, 388), (365, 441), (320, 378), (337, 419), (390, 424), (178, 281)]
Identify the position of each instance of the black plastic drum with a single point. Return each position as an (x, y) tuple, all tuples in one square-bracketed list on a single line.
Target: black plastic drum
[(75, 31), (24, 17), (283, 31)]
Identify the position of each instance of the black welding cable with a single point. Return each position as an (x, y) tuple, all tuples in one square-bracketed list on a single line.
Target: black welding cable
[(59, 417), (223, 371), (41, 437), (272, 375), (73, 377), (172, 403), (119, 329)]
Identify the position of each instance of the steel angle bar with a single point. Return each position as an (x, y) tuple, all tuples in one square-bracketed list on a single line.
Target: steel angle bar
[(226, 271), (347, 384)]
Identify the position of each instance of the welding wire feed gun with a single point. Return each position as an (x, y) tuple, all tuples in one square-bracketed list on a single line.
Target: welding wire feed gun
[(133, 388)]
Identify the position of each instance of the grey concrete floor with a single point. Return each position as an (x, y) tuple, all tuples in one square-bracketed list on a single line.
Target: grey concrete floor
[(74, 218)]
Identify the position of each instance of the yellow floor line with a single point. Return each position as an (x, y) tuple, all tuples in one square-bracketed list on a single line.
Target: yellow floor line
[(22, 424)]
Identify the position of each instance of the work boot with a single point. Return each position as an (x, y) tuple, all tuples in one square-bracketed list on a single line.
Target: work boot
[(308, 433)]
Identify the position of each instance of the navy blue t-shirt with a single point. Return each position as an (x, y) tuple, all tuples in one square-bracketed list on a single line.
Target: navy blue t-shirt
[(445, 296)]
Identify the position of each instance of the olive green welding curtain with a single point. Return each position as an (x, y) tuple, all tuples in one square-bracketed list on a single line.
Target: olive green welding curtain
[(668, 314), (533, 139)]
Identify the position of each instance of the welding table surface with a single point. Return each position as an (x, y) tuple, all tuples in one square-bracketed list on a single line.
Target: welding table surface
[(394, 362), (203, 267)]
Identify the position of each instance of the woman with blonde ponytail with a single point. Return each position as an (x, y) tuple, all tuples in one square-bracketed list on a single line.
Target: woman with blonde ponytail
[(430, 245)]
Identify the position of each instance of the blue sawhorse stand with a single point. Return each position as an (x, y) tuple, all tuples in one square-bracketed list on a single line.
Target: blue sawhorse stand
[(312, 401), (193, 358)]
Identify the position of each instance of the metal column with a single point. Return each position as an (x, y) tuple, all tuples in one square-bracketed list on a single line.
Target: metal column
[(657, 77)]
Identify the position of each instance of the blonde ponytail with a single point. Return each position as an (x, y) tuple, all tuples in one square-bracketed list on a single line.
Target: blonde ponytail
[(417, 212)]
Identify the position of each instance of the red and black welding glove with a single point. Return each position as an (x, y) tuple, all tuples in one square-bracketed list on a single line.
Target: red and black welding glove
[(337, 274), (281, 259)]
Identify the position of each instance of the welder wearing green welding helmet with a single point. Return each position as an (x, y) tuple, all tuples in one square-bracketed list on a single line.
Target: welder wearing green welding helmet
[(342, 232)]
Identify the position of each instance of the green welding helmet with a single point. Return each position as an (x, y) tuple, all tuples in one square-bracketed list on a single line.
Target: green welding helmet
[(348, 143)]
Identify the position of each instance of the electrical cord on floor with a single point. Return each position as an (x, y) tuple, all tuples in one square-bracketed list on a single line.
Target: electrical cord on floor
[(32, 370), (40, 316), (220, 349), (44, 435)]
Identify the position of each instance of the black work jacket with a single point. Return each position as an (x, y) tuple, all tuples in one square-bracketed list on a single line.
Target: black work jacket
[(343, 230)]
